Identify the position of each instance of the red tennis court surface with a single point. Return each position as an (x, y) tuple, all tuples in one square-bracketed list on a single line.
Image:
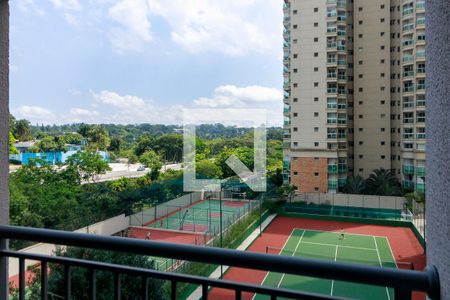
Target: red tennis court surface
[(234, 203), (170, 236), (405, 247)]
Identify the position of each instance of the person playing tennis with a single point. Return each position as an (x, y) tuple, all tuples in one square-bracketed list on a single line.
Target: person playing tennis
[(148, 236), (342, 234)]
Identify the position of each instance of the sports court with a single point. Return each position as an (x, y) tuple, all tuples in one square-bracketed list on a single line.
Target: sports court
[(362, 244), (335, 246), (203, 216)]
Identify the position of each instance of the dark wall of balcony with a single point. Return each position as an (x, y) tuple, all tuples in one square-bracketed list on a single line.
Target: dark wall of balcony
[(4, 125), (438, 140)]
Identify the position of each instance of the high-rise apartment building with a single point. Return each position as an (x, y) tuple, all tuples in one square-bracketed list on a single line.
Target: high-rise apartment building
[(354, 91)]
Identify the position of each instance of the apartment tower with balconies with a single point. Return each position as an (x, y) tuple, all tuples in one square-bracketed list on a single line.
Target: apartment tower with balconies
[(354, 101)]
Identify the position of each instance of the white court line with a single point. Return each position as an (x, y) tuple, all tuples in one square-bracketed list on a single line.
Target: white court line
[(285, 243), (332, 245), (381, 265), (335, 259), (298, 244), (347, 233), (392, 253)]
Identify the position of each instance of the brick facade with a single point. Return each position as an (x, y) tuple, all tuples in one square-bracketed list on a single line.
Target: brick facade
[(303, 174)]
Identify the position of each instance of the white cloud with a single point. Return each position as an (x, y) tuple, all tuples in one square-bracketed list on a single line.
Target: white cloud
[(81, 112), (135, 27), (30, 6), (233, 96), (33, 113), (67, 4), (114, 99), (230, 27)]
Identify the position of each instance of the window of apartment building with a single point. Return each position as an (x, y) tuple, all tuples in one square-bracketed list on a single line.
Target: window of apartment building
[(360, 8), (316, 144), (316, 114), (316, 54), (316, 84), (360, 75), (360, 102), (295, 85), (316, 158), (316, 129), (382, 129), (351, 144), (295, 129), (316, 39), (383, 156), (295, 26), (360, 35), (295, 144), (316, 9), (360, 129), (295, 55), (382, 74), (382, 33), (295, 173), (360, 116), (360, 62), (295, 70), (295, 114), (382, 61), (295, 99), (382, 6), (295, 11), (316, 99), (382, 47), (383, 143), (316, 189), (316, 69), (361, 170), (382, 88), (361, 90), (295, 41), (361, 156), (316, 174), (360, 143), (382, 102), (316, 24), (360, 22), (382, 116), (382, 20)]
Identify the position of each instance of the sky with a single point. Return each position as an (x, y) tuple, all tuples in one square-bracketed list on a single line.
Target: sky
[(143, 61)]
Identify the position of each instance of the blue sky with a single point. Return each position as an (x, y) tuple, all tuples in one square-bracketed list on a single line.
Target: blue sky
[(135, 61)]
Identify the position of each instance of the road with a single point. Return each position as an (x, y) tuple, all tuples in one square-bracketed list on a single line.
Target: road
[(130, 171)]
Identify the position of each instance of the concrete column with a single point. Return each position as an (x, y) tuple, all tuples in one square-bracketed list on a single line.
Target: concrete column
[(438, 139), (4, 137)]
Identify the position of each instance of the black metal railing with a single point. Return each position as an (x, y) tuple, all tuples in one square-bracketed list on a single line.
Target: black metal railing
[(402, 281)]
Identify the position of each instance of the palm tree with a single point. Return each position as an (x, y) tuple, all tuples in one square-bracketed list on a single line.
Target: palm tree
[(382, 182), (355, 185)]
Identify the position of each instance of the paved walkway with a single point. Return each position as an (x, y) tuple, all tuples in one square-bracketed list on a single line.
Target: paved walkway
[(197, 294)]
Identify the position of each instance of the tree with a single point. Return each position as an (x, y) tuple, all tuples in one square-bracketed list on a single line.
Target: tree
[(382, 182), (89, 165), (243, 153), (12, 148), (131, 286), (116, 144), (207, 169), (73, 138), (98, 138), (51, 144), (355, 185), (22, 130), (146, 143), (287, 191), (153, 161)]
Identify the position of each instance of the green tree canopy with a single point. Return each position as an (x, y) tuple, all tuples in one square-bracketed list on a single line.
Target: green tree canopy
[(88, 164), (12, 148), (382, 182)]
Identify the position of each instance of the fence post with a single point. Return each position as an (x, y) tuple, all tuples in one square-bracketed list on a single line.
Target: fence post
[(4, 278)]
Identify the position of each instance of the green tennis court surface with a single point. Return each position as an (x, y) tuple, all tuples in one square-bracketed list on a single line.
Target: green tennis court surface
[(353, 248), (204, 216)]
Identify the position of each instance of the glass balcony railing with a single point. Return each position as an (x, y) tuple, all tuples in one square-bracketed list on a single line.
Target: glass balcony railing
[(420, 21), (342, 62), (420, 54), (407, 184), (331, 75), (342, 182), (408, 27), (331, 1), (408, 73), (342, 106), (408, 89), (420, 102), (408, 104), (342, 169), (408, 58), (408, 136), (342, 33), (420, 86), (407, 43), (420, 171), (331, 14), (331, 120), (407, 11), (332, 169), (342, 121), (408, 170), (331, 61), (332, 136), (420, 187), (331, 45), (331, 29), (341, 47), (332, 90), (332, 184), (420, 5), (408, 120)]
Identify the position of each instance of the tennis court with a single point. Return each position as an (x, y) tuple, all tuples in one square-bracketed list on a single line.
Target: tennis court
[(204, 216), (353, 248)]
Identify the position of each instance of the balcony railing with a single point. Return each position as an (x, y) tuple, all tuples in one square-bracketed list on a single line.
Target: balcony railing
[(404, 282), (408, 170)]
